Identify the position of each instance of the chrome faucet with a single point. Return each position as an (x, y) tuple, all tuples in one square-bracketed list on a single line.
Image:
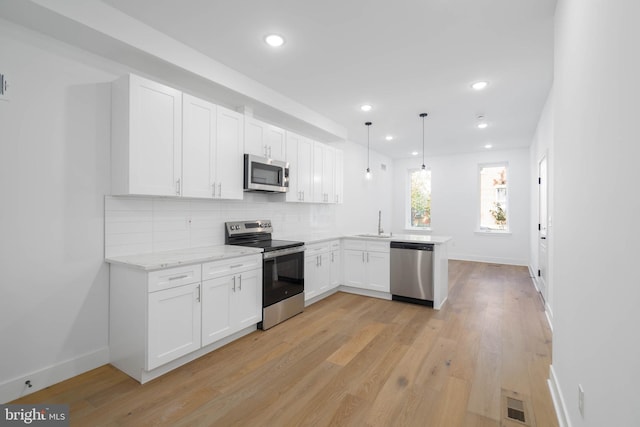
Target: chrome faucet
[(380, 230)]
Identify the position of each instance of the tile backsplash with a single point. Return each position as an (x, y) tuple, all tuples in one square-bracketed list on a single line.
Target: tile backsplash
[(149, 224)]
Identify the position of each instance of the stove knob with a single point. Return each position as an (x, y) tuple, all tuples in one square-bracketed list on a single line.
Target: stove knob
[(269, 225), (237, 227)]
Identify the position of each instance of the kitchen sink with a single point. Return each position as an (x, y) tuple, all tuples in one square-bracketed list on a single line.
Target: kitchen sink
[(379, 236)]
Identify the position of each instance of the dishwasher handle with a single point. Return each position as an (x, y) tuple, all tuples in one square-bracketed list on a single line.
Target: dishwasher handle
[(412, 246)]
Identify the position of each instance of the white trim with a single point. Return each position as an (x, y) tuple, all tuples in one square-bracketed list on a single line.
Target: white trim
[(558, 400), (493, 232), (549, 314), (365, 292), (45, 377)]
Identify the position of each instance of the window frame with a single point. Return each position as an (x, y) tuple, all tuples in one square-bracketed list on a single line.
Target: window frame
[(479, 228), (407, 201)]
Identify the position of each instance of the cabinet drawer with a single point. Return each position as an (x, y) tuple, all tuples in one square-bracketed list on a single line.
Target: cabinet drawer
[(172, 277), (335, 245), (378, 246), (317, 248), (215, 269), (355, 245)]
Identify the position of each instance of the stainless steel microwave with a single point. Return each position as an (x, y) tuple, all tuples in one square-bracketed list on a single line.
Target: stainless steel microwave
[(263, 174)]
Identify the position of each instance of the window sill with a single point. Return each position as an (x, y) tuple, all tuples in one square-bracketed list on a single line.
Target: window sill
[(493, 232), (420, 229)]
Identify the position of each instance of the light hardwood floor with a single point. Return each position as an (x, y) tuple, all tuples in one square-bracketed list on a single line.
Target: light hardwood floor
[(352, 360)]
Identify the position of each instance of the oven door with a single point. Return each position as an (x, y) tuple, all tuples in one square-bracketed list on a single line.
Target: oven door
[(282, 275)]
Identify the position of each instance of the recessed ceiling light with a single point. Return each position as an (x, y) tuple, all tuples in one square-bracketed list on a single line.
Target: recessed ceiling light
[(366, 107), (488, 146), (274, 40), (414, 153), (482, 125), (388, 137), (479, 85)]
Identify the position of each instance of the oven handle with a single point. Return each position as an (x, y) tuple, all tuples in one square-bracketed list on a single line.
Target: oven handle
[(288, 251)]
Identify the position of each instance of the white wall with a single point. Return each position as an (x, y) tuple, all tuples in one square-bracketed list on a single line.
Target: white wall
[(455, 204), (596, 149), (54, 163), (541, 147)]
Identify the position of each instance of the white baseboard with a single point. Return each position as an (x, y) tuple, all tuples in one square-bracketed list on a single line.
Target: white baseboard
[(45, 377), (558, 400), (489, 260)]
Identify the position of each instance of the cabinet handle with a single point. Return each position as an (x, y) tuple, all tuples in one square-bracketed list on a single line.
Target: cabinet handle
[(234, 284), (199, 295), (213, 190), (269, 151), (240, 282), (236, 266), (265, 151), (362, 256), (320, 258), (178, 186), (184, 276), (220, 190), (367, 256), (332, 260)]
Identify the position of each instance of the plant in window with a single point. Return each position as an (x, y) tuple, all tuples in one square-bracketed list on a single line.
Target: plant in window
[(420, 199), (499, 215)]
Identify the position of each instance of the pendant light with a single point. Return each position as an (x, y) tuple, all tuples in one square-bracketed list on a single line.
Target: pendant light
[(424, 167), (368, 172)]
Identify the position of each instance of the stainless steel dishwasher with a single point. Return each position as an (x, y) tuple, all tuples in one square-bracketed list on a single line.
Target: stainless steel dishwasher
[(412, 272)]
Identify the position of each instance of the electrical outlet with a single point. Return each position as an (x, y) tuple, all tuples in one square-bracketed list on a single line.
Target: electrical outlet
[(581, 400)]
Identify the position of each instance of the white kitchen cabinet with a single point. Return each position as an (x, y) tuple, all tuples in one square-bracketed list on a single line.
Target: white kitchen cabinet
[(263, 139), (299, 152), (338, 186), (230, 303), (336, 264), (174, 324), (317, 269), (323, 173), (367, 265), (229, 154), (211, 150), (162, 319), (146, 138)]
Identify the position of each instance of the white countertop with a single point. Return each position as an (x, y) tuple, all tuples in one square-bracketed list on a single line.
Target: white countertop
[(174, 258), (412, 238)]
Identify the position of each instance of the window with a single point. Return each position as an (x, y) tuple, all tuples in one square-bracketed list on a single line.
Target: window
[(419, 199), (494, 198)]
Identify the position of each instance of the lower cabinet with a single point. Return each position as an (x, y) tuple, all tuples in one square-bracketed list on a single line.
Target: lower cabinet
[(366, 265), (161, 319), (336, 264), (230, 303)]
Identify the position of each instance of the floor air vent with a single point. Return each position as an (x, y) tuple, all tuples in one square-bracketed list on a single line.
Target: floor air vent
[(515, 410)]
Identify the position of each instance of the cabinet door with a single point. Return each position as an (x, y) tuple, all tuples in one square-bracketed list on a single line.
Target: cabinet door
[(328, 174), (338, 185), (318, 195), (293, 195), (324, 272), (336, 268), (378, 271), (246, 307), (276, 145), (216, 309), (255, 137), (310, 277), (198, 147), (174, 324), (229, 163), (354, 268), (305, 169), (155, 139)]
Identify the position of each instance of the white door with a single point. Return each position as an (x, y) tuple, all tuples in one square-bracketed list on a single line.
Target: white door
[(255, 140), (229, 164), (216, 309), (293, 195), (328, 174), (276, 143), (198, 147), (174, 324), (378, 271), (338, 186), (543, 257), (324, 272), (336, 267), (305, 169), (310, 277), (354, 268), (247, 299), (318, 158)]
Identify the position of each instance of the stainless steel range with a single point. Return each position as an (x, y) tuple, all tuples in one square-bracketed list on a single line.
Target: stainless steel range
[(282, 269)]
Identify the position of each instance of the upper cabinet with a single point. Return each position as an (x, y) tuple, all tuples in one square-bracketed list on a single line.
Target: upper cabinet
[(263, 139), (323, 173), (146, 146), (300, 158), (166, 143), (338, 186)]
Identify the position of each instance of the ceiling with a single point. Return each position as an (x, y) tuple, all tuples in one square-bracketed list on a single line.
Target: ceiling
[(403, 57)]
